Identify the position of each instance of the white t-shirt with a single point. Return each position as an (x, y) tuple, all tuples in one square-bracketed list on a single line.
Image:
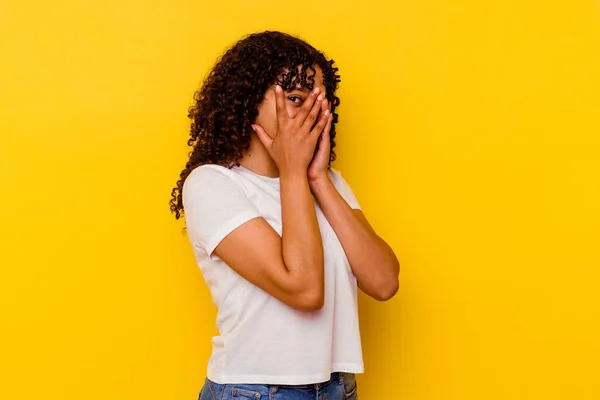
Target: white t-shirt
[(262, 340)]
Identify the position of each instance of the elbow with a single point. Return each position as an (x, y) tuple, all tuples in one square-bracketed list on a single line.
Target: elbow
[(311, 306), (310, 302), (389, 286), (386, 291), (307, 295)]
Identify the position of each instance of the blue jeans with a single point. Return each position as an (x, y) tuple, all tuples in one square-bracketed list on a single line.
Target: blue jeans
[(341, 386)]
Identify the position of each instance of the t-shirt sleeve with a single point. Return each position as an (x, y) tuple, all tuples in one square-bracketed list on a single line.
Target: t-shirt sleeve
[(215, 204), (344, 189)]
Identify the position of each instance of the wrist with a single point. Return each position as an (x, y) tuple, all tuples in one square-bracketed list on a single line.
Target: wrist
[(292, 173), (319, 181)]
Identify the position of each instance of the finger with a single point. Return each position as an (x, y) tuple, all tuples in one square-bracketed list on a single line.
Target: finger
[(323, 121), (307, 106), (313, 116), (323, 150), (280, 104), (325, 105), (264, 138), (324, 138), (328, 126)]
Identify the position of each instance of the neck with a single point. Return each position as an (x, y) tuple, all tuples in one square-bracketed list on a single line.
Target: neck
[(258, 160)]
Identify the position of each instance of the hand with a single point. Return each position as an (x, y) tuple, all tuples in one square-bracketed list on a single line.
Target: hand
[(293, 145), (320, 163)]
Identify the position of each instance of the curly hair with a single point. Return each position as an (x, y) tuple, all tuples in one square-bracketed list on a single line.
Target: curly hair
[(226, 105)]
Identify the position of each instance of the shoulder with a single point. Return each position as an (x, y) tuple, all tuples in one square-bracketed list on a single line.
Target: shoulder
[(343, 188), (333, 173), (336, 177), (210, 178), (210, 175), (210, 172)]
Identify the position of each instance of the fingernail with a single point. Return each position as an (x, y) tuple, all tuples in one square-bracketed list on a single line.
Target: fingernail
[(320, 97), (277, 88), (326, 112), (316, 90)]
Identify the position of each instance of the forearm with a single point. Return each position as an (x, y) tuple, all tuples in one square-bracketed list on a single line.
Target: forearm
[(302, 246), (373, 262)]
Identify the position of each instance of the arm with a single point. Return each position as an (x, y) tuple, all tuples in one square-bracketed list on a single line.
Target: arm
[(372, 260), (289, 267)]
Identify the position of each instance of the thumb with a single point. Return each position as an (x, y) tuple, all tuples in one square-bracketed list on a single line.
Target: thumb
[(262, 136)]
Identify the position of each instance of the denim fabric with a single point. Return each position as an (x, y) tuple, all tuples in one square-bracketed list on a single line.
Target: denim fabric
[(341, 386)]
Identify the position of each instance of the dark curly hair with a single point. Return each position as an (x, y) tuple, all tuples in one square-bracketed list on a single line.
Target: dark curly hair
[(227, 103)]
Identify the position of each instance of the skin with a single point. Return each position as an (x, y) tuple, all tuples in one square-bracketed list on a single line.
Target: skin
[(288, 129)]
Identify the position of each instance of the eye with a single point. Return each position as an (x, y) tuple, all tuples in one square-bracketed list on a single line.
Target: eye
[(296, 99)]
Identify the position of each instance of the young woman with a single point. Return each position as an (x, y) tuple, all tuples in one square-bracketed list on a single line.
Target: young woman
[(278, 235)]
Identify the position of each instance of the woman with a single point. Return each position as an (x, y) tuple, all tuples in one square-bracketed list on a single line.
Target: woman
[(278, 235)]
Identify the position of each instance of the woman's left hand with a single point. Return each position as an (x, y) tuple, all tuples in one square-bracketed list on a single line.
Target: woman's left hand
[(320, 163)]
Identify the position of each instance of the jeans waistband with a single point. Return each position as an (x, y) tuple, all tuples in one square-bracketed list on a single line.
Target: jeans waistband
[(335, 377)]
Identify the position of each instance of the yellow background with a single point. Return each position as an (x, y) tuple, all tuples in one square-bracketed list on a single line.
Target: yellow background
[(469, 131)]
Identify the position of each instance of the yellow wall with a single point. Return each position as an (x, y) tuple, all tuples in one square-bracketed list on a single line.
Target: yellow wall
[(470, 132)]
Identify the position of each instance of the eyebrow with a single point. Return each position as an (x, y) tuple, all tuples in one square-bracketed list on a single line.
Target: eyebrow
[(301, 89)]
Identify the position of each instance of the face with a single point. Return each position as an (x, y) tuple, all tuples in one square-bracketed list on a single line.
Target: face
[(267, 115)]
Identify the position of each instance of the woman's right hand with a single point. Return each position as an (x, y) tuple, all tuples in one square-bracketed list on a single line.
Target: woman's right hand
[(292, 147)]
